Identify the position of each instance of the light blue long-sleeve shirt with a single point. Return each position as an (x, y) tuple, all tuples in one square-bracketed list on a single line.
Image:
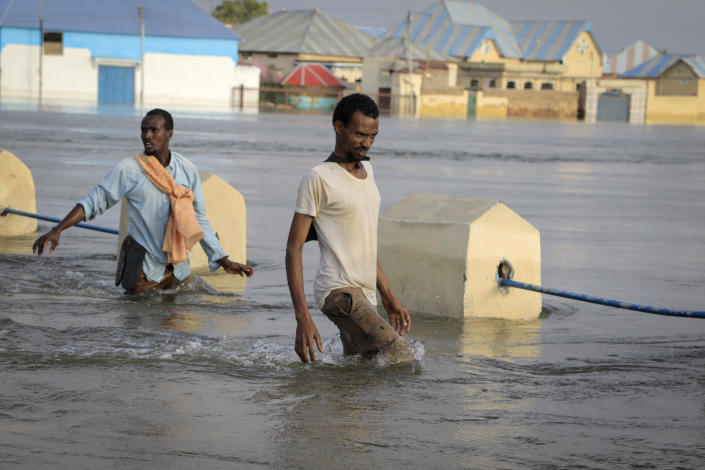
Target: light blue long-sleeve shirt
[(148, 211)]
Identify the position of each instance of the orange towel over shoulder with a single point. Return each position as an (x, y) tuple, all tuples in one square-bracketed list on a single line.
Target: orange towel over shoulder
[(182, 229)]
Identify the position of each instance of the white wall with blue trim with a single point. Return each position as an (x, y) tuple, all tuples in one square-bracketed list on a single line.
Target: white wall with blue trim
[(177, 70)]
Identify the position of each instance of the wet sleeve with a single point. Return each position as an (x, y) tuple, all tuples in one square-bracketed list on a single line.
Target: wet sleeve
[(108, 192), (209, 242), (310, 194)]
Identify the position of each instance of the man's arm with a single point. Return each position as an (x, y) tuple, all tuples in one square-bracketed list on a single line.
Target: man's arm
[(306, 331), (74, 217), (398, 314)]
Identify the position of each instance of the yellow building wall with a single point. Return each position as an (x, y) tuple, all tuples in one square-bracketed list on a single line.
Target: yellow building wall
[(451, 103), (487, 52), (675, 109), (583, 59)]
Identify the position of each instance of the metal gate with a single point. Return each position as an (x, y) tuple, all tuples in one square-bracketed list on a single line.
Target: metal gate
[(472, 104), (613, 106), (116, 84)]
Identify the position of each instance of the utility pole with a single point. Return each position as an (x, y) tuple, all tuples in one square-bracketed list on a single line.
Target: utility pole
[(41, 49), (139, 10), (408, 59)]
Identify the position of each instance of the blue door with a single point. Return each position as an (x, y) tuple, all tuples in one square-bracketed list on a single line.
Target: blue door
[(116, 84), (613, 106)]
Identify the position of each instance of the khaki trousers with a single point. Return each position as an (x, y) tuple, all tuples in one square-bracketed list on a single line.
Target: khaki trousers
[(362, 330)]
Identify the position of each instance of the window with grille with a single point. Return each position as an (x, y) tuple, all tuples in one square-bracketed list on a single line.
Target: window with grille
[(53, 43)]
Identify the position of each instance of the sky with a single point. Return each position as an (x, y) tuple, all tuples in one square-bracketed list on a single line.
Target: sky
[(675, 25)]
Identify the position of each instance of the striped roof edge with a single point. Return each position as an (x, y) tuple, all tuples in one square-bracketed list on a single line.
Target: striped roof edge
[(396, 47), (458, 28), (629, 57), (303, 31), (657, 65), (175, 18), (550, 40), (311, 74)]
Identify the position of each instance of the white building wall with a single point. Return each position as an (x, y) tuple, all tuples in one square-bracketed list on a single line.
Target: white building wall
[(170, 79), (183, 79), (248, 77), (71, 76)]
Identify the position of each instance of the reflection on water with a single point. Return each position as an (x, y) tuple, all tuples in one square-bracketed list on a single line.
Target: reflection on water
[(501, 339), (194, 321)]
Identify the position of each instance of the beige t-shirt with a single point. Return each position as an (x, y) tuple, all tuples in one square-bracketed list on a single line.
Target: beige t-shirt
[(345, 211)]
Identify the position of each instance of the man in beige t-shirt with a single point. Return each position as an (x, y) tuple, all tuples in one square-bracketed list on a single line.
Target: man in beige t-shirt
[(338, 201)]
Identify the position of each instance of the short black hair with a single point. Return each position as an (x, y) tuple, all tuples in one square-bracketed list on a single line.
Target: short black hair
[(168, 120), (355, 102)]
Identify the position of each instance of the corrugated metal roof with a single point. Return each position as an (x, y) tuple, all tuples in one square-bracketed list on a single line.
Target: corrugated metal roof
[(311, 74), (458, 28), (629, 57), (549, 40), (177, 18), (396, 47), (307, 32), (657, 65)]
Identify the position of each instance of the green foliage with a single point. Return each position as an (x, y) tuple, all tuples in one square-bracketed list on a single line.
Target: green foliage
[(239, 11)]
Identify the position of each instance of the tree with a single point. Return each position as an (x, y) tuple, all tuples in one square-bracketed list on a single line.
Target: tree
[(239, 11)]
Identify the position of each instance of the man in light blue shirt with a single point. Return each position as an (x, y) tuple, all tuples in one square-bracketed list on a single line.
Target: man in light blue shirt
[(149, 209)]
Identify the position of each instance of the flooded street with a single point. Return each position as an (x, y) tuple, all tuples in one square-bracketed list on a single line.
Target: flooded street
[(207, 377)]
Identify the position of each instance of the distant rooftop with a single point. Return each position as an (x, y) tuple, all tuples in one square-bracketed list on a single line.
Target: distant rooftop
[(177, 18), (657, 65), (303, 32)]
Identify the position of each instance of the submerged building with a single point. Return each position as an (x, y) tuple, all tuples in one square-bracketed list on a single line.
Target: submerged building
[(495, 53), (675, 87), (149, 52), (283, 39)]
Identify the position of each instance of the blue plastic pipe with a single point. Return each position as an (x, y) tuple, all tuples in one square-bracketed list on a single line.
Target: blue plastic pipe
[(54, 219), (601, 301)]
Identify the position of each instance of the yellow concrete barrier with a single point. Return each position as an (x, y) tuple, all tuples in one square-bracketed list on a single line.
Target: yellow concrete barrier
[(442, 255), (16, 192), (225, 208)]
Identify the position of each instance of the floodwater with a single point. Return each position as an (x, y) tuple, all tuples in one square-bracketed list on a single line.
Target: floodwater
[(207, 377)]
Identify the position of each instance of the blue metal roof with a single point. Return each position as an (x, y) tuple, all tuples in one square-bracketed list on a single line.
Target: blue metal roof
[(177, 18), (457, 28), (549, 40), (657, 65)]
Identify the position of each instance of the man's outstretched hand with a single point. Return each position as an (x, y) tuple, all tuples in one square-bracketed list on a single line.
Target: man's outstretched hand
[(52, 236), (235, 268)]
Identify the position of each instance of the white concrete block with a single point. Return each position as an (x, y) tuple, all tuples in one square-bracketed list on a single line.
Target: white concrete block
[(441, 255), (16, 192)]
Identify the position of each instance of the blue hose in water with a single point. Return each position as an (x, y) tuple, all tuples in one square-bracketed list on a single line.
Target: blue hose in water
[(601, 301), (54, 219)]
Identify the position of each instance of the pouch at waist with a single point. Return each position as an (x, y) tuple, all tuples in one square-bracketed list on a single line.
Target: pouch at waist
[(129, 263)]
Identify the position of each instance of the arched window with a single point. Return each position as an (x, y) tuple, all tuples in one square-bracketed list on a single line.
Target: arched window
[(493, 83), (547, 86), (528, 85), (511, 85), (474, 84)]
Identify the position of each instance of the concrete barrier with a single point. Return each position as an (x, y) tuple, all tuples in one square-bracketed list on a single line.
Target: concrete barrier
[(225, 208), (16, 192), (442, 255)]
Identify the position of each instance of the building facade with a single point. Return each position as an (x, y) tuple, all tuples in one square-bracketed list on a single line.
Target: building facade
[(131, 52), (286, 38)]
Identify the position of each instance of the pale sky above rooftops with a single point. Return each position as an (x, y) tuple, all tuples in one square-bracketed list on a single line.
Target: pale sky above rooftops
[(674, 25)]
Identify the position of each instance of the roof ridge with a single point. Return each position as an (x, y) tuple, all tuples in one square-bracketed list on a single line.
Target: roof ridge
[(308, 28)]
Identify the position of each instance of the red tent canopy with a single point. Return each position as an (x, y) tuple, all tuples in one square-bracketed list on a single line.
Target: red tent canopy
[(308, 74)]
